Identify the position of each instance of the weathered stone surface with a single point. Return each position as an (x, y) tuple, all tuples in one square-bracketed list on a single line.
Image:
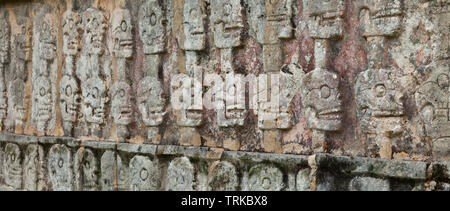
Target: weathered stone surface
[(369, 184), (144, 174), (223, 177), (12, 166), (60, 174), (86, 169), (265, 178), (303, 181), (34, 165), (180, 175)]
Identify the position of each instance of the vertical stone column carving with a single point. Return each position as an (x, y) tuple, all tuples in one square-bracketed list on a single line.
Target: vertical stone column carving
[(12, 167), (320, 88), (121, 105), (94, 72), (34, 168), (69, 88), (5, 36), (44, 75), (227, 18), (152, 30), (86, 169), (60, 174), (433, 96), (379, 96), (19, 100)]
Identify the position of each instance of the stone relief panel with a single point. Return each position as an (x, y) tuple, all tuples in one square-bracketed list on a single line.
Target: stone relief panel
[(303, 182), (19, 100), (43, 112), (69, 89), (5, 37), (60, 174), (144, 174), (12, 166), (107, 169), (180, 175), (86, 169), (152, 30), (379, 96), (123, 175), (228, 26), (265, 178), (121, 97), (223, 177), (34, 168), (94, 72)]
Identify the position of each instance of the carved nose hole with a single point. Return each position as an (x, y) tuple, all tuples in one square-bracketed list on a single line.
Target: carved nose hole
[(42, 91), (124, 26), (380, 90), (60, 163), (180, 179), (325, 92)]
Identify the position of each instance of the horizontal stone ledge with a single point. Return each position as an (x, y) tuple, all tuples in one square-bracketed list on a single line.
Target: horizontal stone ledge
[(340, 165)]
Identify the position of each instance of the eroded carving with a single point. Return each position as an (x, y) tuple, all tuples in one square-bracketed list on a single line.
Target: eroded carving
[(34, 174), (60, 168), (70, 92), (94, 74), (12, 166), (5, 36), (107, 168), (152, 29), (144, 174), (86, 170), (180, 175), (223, 177), (379, 96), (123, 42), (265, 178)]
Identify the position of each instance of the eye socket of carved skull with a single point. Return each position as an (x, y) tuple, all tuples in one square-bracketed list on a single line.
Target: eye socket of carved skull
[(122, 109), (94, 30), (71, 32), (122, 33), (47, 38), (70, 98), (193, 25), (152, 27), (95, 98), (322, 100), (150, 101)]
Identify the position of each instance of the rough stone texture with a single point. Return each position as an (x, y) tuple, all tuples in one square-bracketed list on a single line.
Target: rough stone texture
[(369, 184), (111, 87)]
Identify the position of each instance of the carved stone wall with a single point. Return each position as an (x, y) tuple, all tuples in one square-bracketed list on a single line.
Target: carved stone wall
[(351, 78)]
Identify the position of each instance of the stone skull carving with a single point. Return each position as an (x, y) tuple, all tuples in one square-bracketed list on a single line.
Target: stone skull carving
[(70, 96), (95, 25), (327, 18), (47, 39), (279, 14), (223, 177), (265, 178), (321, 99), (180, 175), (150, 101), (23, 41), (194, 25), (152, 27), (18, 99), (86, 166), (33, 165), (12, 166), (95, 98), (43, 99), (228, 23), (122, 33), (59, 168), (71, 33), (121, 107), (144, 174), (5, 35), (378, 95)]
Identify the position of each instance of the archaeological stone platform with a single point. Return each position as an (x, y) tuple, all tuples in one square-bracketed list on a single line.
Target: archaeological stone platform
[(224, 95)]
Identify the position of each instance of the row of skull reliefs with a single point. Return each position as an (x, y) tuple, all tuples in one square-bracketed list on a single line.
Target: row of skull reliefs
[(85, 91), (58, 167)]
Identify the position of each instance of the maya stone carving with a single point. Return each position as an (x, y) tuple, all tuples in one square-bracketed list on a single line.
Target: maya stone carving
[(121, 96), (144, 174), (379, 96), (265, 178), (19, 102), (86, 170), (69, 89), (94, 72), (34, 168), (5, 35), (223, 177), (12, 166), (180, 175), (59, 161), (44, 75), (320, 88), (227, 18), (152, 31)]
